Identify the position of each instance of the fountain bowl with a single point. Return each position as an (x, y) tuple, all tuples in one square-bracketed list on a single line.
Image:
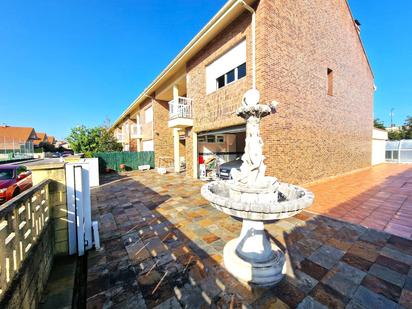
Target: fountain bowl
[(252, 257), (291, 200)]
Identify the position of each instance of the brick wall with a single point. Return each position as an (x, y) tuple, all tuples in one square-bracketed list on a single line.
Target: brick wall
[(313, 135), (217, 109), (163, 135)]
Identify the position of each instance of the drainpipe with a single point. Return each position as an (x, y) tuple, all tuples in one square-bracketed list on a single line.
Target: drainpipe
[(253, 12)]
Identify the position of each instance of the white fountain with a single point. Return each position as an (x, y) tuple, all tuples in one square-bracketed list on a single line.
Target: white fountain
[(255, 198)]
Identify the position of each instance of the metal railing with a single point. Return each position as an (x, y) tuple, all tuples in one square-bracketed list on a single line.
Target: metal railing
[(22, 221), (180, 108)]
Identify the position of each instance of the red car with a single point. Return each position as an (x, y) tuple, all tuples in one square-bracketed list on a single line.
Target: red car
[(13, 180)]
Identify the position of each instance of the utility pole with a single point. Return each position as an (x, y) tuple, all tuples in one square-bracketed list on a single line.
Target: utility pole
[(392, 109)]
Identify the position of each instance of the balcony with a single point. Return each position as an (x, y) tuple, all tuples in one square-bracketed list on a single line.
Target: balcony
[(136, 131), (180, 113)]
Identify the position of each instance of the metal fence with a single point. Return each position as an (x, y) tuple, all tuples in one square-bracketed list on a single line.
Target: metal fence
[(11, 149), (399, 151)]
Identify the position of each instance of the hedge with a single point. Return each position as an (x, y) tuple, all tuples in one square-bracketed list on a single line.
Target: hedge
[(132, 160)]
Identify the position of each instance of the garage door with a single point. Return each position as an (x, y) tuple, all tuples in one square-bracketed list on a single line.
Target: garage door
[(148, 145)]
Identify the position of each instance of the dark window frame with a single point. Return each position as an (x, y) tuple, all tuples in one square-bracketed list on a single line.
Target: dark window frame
[(235, 76)]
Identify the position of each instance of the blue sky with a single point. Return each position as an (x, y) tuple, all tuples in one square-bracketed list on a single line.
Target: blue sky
[(70, 62)]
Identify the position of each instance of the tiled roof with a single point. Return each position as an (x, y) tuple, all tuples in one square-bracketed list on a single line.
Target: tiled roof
[(42, 138), (51, 139), (21, 134)]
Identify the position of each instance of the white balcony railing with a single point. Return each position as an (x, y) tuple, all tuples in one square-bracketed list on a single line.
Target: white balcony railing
[(180, 108), (136, 131)]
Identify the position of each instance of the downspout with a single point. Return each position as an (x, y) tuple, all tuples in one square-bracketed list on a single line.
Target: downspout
[(253, 12)]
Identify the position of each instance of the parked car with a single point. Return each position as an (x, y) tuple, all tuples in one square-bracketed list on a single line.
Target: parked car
[(13, 180), (225, 168)]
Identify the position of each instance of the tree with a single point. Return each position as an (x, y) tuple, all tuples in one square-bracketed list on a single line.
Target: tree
[(407, 127), (377, 123), (88, 140)]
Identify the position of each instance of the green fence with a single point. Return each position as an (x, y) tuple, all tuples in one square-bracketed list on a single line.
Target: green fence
[(131, 160)]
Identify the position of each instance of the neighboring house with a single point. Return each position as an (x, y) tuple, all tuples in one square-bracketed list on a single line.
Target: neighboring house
[(309, 58), (51, 139), (42, 139), (15, 137)]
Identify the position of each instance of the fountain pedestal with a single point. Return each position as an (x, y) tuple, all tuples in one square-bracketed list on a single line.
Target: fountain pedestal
[(255, 198), (252, 257)]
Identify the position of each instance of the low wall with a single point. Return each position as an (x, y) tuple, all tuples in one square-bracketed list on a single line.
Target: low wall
[(379, 138), (28, 286), (57, 196), (27, 247)]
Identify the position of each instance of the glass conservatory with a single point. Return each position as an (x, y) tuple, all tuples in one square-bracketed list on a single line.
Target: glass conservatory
[(399, 151)]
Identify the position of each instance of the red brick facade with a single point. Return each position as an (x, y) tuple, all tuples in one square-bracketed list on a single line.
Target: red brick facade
[(314, 134)]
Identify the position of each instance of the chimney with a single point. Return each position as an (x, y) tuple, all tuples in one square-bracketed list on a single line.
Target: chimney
[(357, 25)]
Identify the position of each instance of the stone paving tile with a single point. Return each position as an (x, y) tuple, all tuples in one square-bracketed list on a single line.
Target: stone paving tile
[(344, 279), (162, 247), (326, 256), (382, 287), (387, 274), (365, 298)]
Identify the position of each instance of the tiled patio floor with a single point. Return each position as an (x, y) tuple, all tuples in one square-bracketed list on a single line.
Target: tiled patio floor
[(162, 247), (379, 197)]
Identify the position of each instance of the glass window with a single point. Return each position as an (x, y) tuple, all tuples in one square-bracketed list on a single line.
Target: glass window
[(6, 174), (388, 155), (201, 139), (241, 71), (210, 138), (395, 155), (230, 76), (220, 81), (220, 139)]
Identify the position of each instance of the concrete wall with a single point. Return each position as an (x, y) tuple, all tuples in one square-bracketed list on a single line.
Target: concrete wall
[(379, 138), (58, 204), (29, 284)]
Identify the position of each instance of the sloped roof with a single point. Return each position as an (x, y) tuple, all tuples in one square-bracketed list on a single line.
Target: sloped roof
[(50, 139), (42, 137), (21, 134)]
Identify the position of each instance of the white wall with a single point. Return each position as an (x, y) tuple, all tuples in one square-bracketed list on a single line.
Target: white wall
[(379, 138)]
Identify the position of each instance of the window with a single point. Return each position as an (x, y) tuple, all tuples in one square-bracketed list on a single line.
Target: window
[(220, 81), (220, 139), (228, 68), (148, 114), (330, 81), (201, 139), (231, 76), (210, 138), (241, 71)]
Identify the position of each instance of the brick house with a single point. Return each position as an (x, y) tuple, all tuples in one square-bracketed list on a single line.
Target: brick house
[(308, 56)]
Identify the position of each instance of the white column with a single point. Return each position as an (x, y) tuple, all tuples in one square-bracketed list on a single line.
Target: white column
[(176, 150), (195, 156), (175, 92)]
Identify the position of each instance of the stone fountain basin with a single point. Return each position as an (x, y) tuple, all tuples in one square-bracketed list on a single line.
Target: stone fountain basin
[(292, 200)]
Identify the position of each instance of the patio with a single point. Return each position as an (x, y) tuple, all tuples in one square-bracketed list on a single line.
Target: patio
[(162, 247)]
